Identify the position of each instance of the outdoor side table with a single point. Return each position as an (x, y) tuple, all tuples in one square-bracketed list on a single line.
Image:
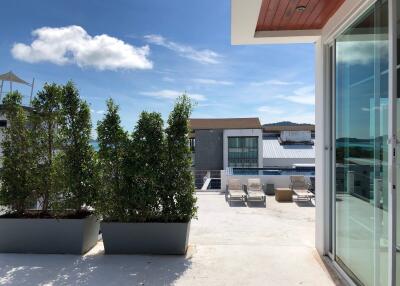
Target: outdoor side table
[(283, 194)]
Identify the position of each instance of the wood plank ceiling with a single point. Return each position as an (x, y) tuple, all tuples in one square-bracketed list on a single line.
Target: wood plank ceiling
[(279, 15)]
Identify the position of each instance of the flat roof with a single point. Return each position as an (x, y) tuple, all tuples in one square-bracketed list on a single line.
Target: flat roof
[(224, 123), (273, 149), (279, 128)]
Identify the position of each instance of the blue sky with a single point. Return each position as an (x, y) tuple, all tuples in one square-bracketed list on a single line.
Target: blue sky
[(144, 53)]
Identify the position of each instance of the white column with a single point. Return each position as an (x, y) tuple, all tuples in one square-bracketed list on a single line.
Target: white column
[(321, 155)]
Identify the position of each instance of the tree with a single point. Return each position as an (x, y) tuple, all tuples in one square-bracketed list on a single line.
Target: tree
[(144, 167), (113, 142), (16, 187), (45, 140), (178, 200), (76, 166)]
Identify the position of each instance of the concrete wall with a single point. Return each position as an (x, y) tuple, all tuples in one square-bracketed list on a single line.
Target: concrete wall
[(286, 162), (208, 150), (243, 132)]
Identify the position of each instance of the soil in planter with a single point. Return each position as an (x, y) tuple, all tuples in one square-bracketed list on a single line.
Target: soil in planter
[(148, 220), (39, 214)]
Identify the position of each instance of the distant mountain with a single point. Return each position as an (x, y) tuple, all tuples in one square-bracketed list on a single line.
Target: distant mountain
[(287, 123)]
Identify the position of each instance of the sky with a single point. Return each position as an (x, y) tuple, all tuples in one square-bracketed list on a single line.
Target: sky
[(145, 53)]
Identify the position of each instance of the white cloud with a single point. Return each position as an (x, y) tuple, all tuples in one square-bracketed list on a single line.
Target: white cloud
[(202, 56), (361, 51), (97, 111), (168, 79), (172, 94), (207, 81), (275, 82), (270, 110), (73, 45), (302, 95)]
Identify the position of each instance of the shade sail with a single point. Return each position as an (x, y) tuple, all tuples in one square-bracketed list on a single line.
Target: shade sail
[(10, 76)]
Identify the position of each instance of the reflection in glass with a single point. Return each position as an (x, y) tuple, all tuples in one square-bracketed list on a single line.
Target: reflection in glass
[(243, 152), (361, 147)]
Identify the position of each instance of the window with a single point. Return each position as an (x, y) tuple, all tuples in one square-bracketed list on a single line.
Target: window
[(243, 152), (3, 123), (192, 144)]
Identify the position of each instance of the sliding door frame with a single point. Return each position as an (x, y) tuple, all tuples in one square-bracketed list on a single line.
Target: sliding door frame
[(393, 142)]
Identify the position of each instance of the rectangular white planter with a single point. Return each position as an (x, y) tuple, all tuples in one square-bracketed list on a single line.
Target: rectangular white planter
[(145, 238), (48, 236)]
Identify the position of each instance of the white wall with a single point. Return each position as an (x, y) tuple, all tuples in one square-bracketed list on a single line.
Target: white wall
[(286, 162), (280, 181), (243, 132)]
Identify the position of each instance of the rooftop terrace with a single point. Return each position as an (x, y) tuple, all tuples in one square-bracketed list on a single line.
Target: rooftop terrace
[(238, 245)]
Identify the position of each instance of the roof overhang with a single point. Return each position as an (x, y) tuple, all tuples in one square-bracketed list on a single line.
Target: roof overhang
[(246, 18)]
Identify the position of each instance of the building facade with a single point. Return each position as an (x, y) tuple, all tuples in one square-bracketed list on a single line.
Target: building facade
[(357, 123), (230, 142)]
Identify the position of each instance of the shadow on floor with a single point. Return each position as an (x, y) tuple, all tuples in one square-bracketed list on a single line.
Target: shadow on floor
[(237, 204), (305, 204), (256, 204), (92, 269)]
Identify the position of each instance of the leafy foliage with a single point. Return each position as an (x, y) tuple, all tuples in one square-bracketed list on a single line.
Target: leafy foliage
[(147, 177), (144, 167), (77, 172), (45, 141), (179, 201), (113, 142), (16, 187), (46, 151)]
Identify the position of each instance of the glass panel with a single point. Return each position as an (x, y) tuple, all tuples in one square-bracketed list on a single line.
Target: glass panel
[(361, 148), (398, 136), (243, 152)]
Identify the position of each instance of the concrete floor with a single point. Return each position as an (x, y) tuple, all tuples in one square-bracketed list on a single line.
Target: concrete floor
[(238, 245)]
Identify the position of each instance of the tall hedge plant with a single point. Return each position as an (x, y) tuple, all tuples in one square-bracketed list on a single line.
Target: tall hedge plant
[(147, 177), (16, 191), (45, 138), (113, 203), (77, 170), (179, 201)]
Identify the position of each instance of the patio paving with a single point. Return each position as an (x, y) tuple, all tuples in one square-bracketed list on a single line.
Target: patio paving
[(238, 245)]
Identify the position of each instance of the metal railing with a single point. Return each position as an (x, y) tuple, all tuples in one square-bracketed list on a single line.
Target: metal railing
[(200, 177)]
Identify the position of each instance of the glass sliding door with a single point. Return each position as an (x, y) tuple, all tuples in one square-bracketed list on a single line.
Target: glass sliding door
[(397, 103), (361, 152)]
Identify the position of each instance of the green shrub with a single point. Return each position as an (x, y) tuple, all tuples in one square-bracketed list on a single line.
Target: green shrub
[(147, 177), (179, 201), (16, 189), (45, 141), (47, 157), (113, 140), (77, 170), (144, 167)]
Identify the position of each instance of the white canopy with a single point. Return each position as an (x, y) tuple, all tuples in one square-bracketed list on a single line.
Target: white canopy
[(12, 77)]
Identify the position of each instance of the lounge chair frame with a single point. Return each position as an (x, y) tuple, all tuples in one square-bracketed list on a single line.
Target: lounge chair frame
[(255, 192), (235, 191), (301, 188)]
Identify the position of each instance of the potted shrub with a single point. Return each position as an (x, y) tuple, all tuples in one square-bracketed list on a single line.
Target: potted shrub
[(156, 186), (49, 146)]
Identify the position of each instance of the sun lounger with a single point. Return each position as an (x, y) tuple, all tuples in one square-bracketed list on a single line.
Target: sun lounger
[(235, 191), (255, 191), (300, 188)]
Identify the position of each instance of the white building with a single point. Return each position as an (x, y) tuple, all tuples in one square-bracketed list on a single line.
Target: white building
[(287, 146)]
